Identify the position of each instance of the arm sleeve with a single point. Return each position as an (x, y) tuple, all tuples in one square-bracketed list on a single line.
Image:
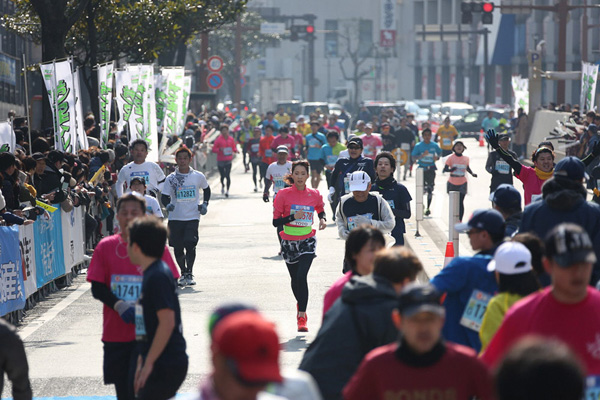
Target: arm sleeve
[(387, 222), (119, 185), (340, 221), (402, 209), (446, 168), (16, 367), (160, 177), (12, 218), (452, 278), (165, 199), (277, 222), (515, 165), (335, 174), (102, 292), (206, 194), (587, 160), (489, 164)]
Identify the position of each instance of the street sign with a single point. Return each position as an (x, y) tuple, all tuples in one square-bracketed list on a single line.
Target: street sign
[(214, 81), (387, 38), (242, 81), (505, 6), (272, 28), (243, 69), (215, 64), (387, 24)]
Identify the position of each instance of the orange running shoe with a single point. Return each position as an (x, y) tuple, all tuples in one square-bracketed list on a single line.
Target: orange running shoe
[(302, 324)]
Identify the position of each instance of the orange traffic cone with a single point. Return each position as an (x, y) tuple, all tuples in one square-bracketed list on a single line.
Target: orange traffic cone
[(481, 141), (449, 253)]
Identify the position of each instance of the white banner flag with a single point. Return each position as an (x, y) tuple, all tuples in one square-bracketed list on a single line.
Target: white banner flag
[(136, 120), (125, 95), (65, 108), (7, 138), (150, 129), (82, 139), (26, 242), (185, 99), (589, 78), (174, 99), (521, 92), (105, 86), (160, 96)]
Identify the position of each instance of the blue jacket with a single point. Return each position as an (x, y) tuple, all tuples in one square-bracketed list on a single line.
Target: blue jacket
[(399, 199), (345, 166), (458, 280)]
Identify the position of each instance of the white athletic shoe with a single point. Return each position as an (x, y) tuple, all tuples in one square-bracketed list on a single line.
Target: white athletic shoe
[(227, 193), (222, 189), (182, 281)]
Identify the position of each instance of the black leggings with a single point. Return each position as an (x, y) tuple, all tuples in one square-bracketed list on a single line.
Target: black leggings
[(254, 170), (262, 167), (225, 172), (299, 272), (185, 260)]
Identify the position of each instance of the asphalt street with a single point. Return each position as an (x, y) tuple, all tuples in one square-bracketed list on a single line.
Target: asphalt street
[(237, 260)]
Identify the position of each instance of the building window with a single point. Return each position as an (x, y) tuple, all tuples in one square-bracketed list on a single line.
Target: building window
[(365, 37), (419, 12), (331, 38)]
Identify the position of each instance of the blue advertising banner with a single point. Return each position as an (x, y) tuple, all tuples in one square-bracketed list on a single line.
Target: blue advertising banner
[(48, 242), (8, 67), (12, 290)]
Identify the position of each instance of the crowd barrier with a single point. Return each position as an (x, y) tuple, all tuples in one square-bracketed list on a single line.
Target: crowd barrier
[(34, 257)]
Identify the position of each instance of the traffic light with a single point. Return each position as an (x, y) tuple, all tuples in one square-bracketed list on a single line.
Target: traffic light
[(310, 32), (487, 16), (466, 14), (295, 31), (302, 32)]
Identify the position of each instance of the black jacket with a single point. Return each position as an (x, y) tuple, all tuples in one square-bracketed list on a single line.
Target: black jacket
[(50, 181), (564, 201), (13, 362), (345, 166), (399, 199), (501, 171), (357, 322)]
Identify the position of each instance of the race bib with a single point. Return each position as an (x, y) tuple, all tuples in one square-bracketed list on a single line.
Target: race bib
[(331, 160), (268, 153), (126, 287), (405, 146), (502, 167), (536, 197), (140, 326), (347, 184), (473, 315), (140, 174), (314, 143), (227, 151), (254, 147), (428, 159), (460, 170), (352, 220), (391, 203), (307, 215), (279, 183), (186, 194), (368, 151), (446, 142), (592, 387)]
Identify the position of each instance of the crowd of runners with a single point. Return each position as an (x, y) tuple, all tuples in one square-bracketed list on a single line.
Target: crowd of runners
[(517, 320)]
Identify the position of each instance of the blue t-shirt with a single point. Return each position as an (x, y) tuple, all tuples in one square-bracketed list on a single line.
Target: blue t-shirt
[(428, 160), (314, 142), (274, 123), (489, 123)]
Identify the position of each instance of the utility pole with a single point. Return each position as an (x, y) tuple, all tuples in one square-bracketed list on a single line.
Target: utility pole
[(201, 84), (311, 59), (237, 82)]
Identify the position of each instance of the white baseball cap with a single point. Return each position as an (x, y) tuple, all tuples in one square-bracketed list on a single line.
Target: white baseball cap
[(293, 125), (511, 258), (359, 181)]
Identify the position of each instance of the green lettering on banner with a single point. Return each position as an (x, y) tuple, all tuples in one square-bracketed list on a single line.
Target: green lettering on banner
[(104, 110), (160, 99), (64, 116), (138, 110), (127, 95), (172, 107)]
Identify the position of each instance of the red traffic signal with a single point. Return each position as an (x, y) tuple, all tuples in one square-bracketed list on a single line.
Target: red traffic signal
[(488, 7), (310, 29)]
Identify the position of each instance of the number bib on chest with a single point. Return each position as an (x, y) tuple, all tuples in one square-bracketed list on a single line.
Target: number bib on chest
[(140, 326), (307, 215), (428, 159), (473, 315), (347, 184), (268, 153), (126, 287), (331, 160), (313, 143), (592, 387), (227, 151), (352, 220), (254, 148), (405, 146), (186, 194), (446, 142), (502, 167), (140, 174), (391, 203), (460, 170), (279, 183)]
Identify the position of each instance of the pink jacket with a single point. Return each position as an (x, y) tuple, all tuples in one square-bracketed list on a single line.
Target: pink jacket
[(224, 148)]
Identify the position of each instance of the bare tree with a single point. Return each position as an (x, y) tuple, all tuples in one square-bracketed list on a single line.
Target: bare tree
[(357, 57)]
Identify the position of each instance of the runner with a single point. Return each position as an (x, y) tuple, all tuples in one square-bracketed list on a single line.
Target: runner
[(276, 173), (253, 149), (501, 171), (244, 134), (445, 136), (427, 153), (150, 171), (329, 155), (138, 185), (372, 142), (298, 152), (393, 192), (406, 142), (163, 362), (224, 146), (293, 209), (254, 118), (457, 164), (284, 139), (344, 167), (543, 161), (314, 141), (182, 199), (266, 152), (116, 282)]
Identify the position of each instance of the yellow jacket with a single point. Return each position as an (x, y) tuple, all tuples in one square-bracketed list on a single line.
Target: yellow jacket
[(494, 314)]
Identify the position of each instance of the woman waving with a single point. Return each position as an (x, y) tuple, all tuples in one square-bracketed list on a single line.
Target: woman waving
[(294, 209)]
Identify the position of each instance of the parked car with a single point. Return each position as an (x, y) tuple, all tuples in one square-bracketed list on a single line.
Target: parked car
[(455, 110), (311, 107), (289, 106), (470, 124)]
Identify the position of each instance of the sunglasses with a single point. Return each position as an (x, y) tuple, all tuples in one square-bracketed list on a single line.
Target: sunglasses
[(354, 148)]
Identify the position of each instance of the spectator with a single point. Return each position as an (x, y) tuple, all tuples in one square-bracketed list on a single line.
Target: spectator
[(507, 200), (13, 362), (420, 364)]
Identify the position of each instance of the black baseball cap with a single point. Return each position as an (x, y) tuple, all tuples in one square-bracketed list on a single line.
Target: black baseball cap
[(506, 196), (489, 220), (38, 156), (418, 297), (137, 179), (55, 156), (356, 141), (503, 136), (569, 244), (570, 167)]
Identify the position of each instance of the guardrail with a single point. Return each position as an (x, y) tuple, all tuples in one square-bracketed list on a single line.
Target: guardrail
[(37, 258)]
